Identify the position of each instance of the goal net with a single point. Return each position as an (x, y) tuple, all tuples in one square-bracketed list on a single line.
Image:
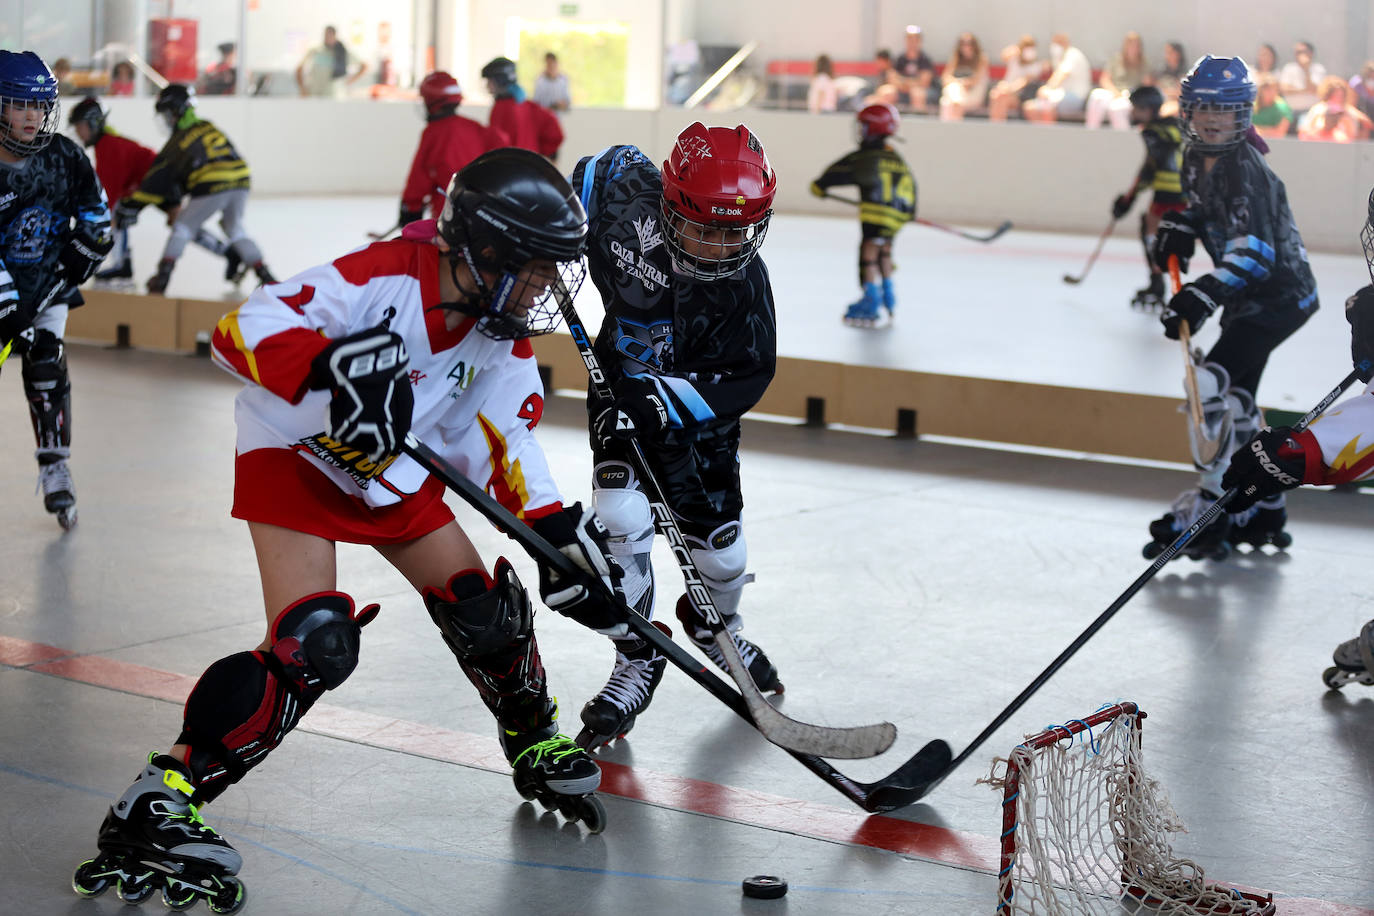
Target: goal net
[(1086, 830)]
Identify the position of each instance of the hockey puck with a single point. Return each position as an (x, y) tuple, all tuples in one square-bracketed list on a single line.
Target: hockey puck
[(765, 887)]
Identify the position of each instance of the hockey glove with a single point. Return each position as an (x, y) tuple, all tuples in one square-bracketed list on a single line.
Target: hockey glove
[(1174, 237), (126, 213), (1191, 304), (1122, 205), (1359, 311), (15, 327), (637, 413), (581, 537), (372, 400), (1267, 465), (408, 216), (83, 254)]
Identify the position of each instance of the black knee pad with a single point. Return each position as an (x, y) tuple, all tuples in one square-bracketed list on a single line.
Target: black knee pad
[(480, 615), (316, 639), (48, 389)]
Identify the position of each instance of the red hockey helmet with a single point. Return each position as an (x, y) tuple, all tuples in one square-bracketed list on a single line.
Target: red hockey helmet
[(877, 121), (718, 193), (439, 90)]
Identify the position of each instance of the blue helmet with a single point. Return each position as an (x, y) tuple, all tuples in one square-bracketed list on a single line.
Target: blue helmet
[(28, 103), (1219, 89)]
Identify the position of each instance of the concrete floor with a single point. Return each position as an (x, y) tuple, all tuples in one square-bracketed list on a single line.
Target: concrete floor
[(922, 582)]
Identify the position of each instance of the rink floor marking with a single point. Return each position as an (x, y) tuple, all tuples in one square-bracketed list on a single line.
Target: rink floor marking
[(937, 845)]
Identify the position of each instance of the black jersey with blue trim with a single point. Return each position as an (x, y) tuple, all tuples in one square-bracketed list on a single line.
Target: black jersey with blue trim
[(40, 196), (1241, 214), (709, 347)]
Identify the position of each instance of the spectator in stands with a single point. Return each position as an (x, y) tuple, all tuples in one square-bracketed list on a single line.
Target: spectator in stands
[(1169, 77), (62, 72), (886, 74), (551, 86), (1272, 117), (1025, 74), (1301, 78), (1112, 97), (965, 80), (916, 73), (1266, 62), (823, 94), (328, 69), (122, 78), (1362, 87), (221, 77), (1065, 93), (1334, 119)]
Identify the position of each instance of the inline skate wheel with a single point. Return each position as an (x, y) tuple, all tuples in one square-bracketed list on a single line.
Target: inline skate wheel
[(1333, 677), (177, 896), (230, 899), (135, 890), (1283, 540), (587, 809), (87, 881)]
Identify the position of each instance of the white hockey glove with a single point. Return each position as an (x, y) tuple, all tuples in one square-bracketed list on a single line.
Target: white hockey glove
[(581, 537), (372, 401)]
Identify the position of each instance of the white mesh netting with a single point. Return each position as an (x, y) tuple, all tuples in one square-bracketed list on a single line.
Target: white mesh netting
[(1086, 830)]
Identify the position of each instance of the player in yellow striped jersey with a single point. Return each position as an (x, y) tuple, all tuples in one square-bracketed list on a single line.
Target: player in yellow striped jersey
[(887, 202), (1159, 173)]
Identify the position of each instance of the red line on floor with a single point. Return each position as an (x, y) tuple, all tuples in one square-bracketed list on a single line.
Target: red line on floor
[(758, 809)]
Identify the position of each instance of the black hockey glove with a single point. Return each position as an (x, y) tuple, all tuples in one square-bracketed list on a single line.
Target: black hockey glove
[(372, 397), (126, 213), (1174, 237), (1265, 466), (16, 328), (636, 413), (408, 216), (82, 255), (1359, 311), (1122, 205), (581, 537), (1191, 304)]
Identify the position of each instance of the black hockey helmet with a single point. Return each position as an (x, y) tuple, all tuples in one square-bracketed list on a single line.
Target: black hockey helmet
[(514, 220), (89, 111), (1367, 236), (500, 72), (1147, 97), (173, 102)]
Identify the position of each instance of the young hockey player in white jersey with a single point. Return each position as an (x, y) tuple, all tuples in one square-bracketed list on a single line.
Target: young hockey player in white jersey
[(428, 334), (1337, 448), (689, 343), (1261, 283)]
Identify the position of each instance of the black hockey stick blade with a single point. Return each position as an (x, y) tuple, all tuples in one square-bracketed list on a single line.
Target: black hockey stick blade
[(971, 236), (798, 737), (912, 781), (1072, 280)]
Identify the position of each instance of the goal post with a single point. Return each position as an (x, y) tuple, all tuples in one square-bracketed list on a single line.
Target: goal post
[(1085, 830)]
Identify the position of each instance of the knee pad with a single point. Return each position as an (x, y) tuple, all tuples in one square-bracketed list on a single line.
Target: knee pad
[(619, 502), (721, 560), (315, 640), (48, 388)]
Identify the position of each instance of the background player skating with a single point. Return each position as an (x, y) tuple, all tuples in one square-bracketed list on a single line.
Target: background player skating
[(689, 343), (1160, 173), (887, 202), (525, 123), (198, 162), (448, 142), (1261, 282), (120, 164), (342, 360), (1337, 448), (54, 232)]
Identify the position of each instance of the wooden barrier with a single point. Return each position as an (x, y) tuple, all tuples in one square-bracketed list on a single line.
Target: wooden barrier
[(907, 403)]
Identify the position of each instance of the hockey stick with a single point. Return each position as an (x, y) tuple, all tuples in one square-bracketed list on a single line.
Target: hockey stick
[(57, 287), (1092, 258), (378, 236), (972, 237), (823, 741), (897, 790), (1205, 451), (929, 778)]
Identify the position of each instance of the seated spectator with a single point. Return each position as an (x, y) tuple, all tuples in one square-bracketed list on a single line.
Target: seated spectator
[(1065, 93), (916, 73), (122, 78), (1333, 119), (886, 75), (965, 81), (1272, 117), (221, 77), (62, 72), (1266, 62), (1362, 85), (551, 86), (1025, 74), (1169, 77), (1300, 79), (823, 94), (1112, 97)]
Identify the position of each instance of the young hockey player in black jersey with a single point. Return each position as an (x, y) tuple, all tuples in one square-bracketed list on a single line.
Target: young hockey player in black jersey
[(689, 343), (1159, 172), (1261, 282), (887, 202), (198, 160), (54, 232)]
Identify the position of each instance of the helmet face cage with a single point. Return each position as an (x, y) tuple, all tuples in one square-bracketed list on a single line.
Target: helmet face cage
[(20, 114), (173, 102), (710, 251), (1367, 237), (89, 112), (1216, 99)]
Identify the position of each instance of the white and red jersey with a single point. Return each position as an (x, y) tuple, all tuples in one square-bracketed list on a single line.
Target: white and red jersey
[(1344, 437), (477, 400)]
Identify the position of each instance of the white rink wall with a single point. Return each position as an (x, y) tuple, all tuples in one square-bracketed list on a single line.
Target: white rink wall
[(1057, 178)]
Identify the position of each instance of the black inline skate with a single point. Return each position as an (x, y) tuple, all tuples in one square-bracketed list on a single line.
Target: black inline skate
[(154, 839), (1261, 524), (550, 768), (1208, 544), (1150, 298), (612, 712), (59, 493), (760, 668), (1354, 660)]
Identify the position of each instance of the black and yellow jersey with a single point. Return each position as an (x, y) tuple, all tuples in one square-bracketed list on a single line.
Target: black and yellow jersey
[(887, 190), (197, 160), (1163, 157)]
